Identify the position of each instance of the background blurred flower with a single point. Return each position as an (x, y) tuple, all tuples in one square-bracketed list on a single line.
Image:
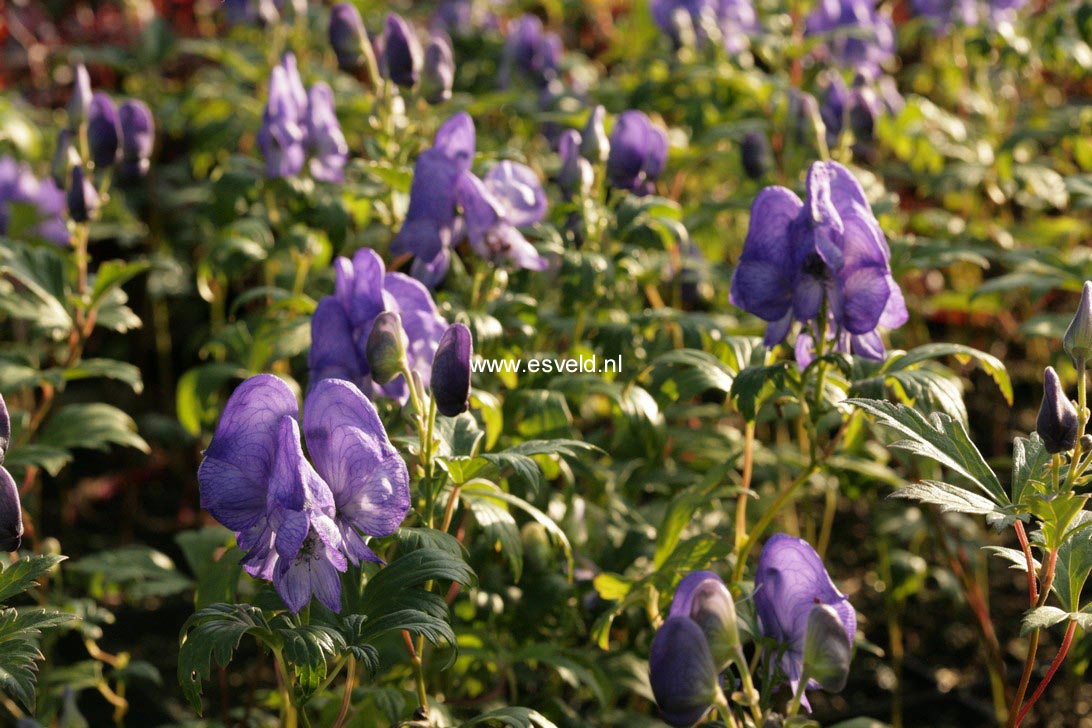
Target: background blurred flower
[(137, 137), (532, 51), (856, 35), (730, 21), (11, 509), (102, 130), (402, 55), (638, 152), (42, 198), (438, 72), (281, 137), (509, 197), (328, 149), (81, 197)]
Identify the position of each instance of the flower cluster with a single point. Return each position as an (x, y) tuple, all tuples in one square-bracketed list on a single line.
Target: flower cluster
[(823, 261), (950, 13), (531, 51), (22, 193), (857, 35), (638, 152), (11, 509), (731, 22), (343, 322), (858, 107), (301, 522), (298, 123), (493, 207)]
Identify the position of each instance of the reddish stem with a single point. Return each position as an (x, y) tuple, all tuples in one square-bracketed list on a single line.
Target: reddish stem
[(1022, 536), (1058, 659)]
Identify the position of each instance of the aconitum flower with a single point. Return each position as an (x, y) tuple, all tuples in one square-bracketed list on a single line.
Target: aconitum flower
[(103, 132), (342, 323), (1057, 421), (576, 176), (11, 509), (732, 20), (302, 524), (329, 150), (402, 55), (1078, 336), (81, 197), (703, 597), (594, 142), (509, 196), (950, 13), (638, 152), (681, 671), (860, 106), (282, 135), (19, 186), (828, 248), (349, 39), (789, 582), (438, 72), (137, 137), (755, 154), (80, 102), (450, 381), (532, 51), (857, 35)]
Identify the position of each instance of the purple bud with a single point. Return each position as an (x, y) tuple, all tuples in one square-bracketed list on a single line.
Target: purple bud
[(594, 143), (80, 102), (755, 154), (401, 52), (827, 649), (325, 140), (576, 174), (5, 428), (1057, 421), (11, 513), (137, 137), (350, 42), (681, 672), (65, 157), (81, 197), (438, 73), (451, 371), (638, 152), (702, 596), (386, 347), (1078, 337), (102, 130)]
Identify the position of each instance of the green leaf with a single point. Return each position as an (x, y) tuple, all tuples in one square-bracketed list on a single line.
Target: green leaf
[(19, 653), (94, 426), (307, 649), (989, 363), (197, 396), (20, 575), (113, 274), (1042, 618), (482, 490), (950, 498), (1018, 560), (140, 571), (499, 529), (40, 270), (106, 369), (214, 559), (689, 372), (754, 384), (940, 438), (410, 570), (1074, 562), (511, 718), (1029, 458), (214, 633)]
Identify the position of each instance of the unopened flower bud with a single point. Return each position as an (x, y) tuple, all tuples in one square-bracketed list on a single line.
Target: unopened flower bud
[(65, 157), (5, 428), (576, 174), (682, 673), (594, 142), (386, 347), (1078, 337), (351, 44), (451, 371), (438, 71), (11, 513), (1086, 443), (703, 597), (401, 52), (137, 137), (80, 102), (82, 199), (1057, 420), (755, 154), (102, 130), (827, 648)]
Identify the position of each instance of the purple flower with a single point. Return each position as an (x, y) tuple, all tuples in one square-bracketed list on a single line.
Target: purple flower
[(967, 12), (828, 248), (301, 524), (576, 175), (19, 186), (857, 35), (755, 154), (1057, 421), (348, 38), (11, 509), (532, 51), (102, 130), (137, 137), (510, 196), (789, 582), (438, 72), (329, 150), (703, 597), (342, 322), (282, 135), (681, 672), (638, 152), (450, 381), (427, 229), (80, 102), (454, 16), (401, 51), (594, 143), (734, 20), (81, 197), (860, 106)]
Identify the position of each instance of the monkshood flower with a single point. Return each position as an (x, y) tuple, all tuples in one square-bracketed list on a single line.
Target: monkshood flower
[(858, 36), (427, 230), (494, 208), (594, 142), (532, 51), (789, 583), (732, 20), (300, 523), (11, 509), (450, 381), (1078, 337), (681, 671), (282, 135), (438, 72), (1057, 422), (350, 41), (81, 197), (703, 597), (638, 152), (263, 12), (950, 13), (755, 154), (455, 17), (325, 141), (19, 186), (103, 132), (137, 138), (342, 323), (402, 55), (80, 102), (827, 248), (860, 105), (576, 175)]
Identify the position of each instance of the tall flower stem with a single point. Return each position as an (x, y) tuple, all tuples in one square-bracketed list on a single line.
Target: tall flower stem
[(1082, 422), (1047, 579), (745, 484), (725, 709), (767, 518), (798, 695), (1063, 650), (748, 685), (418, 672), (347, 694)]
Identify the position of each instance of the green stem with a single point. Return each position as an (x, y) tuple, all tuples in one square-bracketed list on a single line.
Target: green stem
[(767, 518), (725, 709), (749, 690), (794, 704)]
